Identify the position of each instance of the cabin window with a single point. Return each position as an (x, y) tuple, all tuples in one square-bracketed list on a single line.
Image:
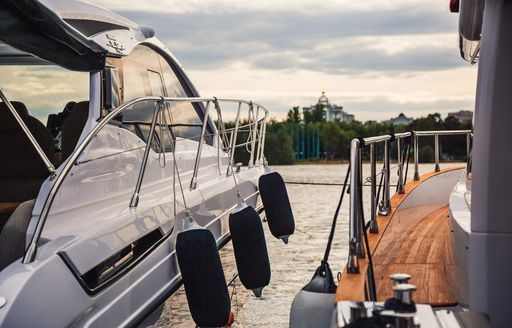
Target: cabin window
[(146, 73), (45, 97)]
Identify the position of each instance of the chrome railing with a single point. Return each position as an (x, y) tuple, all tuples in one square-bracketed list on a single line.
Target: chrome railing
[(256, 151), (381, 202), (436, 135)]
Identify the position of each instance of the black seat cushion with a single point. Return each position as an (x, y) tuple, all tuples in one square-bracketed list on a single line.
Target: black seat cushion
[(73, 126), (13, 234), (22, 170)]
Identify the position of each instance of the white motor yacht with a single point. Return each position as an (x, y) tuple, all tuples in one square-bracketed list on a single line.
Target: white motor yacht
[(91, 202)]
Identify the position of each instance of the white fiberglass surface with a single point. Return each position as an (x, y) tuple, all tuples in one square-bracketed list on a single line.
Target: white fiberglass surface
[(44, 89)]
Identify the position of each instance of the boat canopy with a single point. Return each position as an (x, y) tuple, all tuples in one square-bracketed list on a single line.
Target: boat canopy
[(72, 34)]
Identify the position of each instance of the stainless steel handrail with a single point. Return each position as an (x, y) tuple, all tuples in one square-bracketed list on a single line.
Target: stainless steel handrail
[(384, 208), (65, 168), (442, 132), (436, 135)]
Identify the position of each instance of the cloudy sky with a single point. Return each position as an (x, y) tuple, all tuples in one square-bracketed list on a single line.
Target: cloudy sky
[(376, 58)]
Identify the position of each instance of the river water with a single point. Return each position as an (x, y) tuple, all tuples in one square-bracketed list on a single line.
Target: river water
[(293, 264)]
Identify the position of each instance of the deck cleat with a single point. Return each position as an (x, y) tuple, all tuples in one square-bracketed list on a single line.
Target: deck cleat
[(400, 278)]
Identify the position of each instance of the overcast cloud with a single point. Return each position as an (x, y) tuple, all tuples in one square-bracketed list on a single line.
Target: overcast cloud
[(375, 58)]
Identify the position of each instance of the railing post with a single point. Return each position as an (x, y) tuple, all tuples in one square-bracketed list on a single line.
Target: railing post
[(385, 205), (436, 151), (257, 160), (354, 241), (262, 145), (400, 185), (193, 181), (374, 227), (253, 140), (360, 250), (134, 201), (416, 158), (232, 142)]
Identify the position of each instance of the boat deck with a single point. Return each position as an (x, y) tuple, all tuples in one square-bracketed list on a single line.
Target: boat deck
[(415, 241), (419, 247)]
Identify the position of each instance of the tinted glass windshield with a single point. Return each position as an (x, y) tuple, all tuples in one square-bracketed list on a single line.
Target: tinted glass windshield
[(44, 89)]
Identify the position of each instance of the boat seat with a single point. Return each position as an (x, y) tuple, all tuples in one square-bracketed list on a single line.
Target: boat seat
[(13, 234), (55, 121), (22, 171), (72, 127)]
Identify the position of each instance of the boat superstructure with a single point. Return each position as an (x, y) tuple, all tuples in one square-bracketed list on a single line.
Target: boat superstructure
[(89, 238)]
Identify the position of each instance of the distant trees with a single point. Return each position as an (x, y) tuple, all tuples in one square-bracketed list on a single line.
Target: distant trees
[(294, 115), (335, 137), (317, 115), (279, 148)]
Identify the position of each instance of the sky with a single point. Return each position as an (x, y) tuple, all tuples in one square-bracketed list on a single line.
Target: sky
[(376, 58)]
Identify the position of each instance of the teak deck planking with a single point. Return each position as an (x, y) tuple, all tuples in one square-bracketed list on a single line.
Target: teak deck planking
[(352, 286)]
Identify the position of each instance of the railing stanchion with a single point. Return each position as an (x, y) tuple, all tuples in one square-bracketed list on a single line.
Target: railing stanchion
[(374, 227), (436, 151), (193, 181), (354, 242), (260, 140), (400, 185), (232, 143), (253, 140), (361, 253), (262, 144), (385, 205), (134, 201), (416, 158)]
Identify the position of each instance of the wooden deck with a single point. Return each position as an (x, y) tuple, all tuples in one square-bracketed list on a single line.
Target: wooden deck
[(420, 250), (414, 245)]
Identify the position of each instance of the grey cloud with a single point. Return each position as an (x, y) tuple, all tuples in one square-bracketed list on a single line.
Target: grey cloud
[(294, 39)]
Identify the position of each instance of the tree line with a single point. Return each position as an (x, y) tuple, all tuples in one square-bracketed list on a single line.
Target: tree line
[(285, 141)]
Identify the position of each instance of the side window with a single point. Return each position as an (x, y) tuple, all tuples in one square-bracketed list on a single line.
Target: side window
[(146, 73)]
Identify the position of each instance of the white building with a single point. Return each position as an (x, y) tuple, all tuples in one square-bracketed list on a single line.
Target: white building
[(401, 119), (332, 112), (463, 116)]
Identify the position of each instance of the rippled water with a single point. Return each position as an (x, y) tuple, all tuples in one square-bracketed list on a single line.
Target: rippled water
[(293, 264)]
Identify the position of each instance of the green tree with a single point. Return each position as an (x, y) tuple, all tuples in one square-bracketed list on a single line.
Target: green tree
[(278, 148), (294, 115), (318, 114)]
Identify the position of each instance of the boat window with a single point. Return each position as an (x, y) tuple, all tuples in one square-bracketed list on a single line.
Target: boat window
[(44, 98), (146, 73), (44, 89)]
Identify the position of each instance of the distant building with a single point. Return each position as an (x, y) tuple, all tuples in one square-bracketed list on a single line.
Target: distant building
[(332, 112), (463, 116), (401, 119)]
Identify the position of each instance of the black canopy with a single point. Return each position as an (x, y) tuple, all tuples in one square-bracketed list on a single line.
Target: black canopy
[(31, 27)]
